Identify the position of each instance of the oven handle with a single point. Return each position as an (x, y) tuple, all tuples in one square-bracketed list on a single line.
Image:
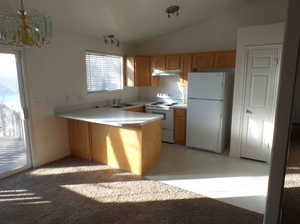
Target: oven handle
[(160, 113)]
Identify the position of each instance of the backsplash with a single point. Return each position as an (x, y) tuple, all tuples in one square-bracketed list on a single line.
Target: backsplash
[(169, 87)]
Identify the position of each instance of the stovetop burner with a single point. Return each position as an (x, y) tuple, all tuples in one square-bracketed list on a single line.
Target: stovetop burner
[(160, 104), (157, 103)]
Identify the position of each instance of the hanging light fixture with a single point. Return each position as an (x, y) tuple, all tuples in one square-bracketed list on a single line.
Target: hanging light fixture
[(26, 28), (111, 40), (173, 10)]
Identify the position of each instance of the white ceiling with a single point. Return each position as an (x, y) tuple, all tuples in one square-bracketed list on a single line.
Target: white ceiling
[(129, 20)]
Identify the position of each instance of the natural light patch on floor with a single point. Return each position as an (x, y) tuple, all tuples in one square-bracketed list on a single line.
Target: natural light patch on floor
[(127, 191), (21, 197), (225, 187), (67, 170), (240, 182)]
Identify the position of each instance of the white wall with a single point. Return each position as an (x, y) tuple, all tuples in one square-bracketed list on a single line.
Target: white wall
[(169, 86), (217, 32), (55, 78), (249, 36)]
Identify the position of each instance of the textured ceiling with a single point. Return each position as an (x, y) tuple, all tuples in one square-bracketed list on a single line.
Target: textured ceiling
[(129, 20)]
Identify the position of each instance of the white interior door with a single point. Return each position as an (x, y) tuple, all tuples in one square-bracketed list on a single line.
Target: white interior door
[(260, 102), (14, 147)]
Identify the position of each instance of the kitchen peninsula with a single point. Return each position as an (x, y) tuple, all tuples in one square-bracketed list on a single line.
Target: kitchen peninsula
[(118, 138)]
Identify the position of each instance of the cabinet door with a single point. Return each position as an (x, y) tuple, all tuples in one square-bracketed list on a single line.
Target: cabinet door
[(172, 62), (180, 126), (155, 81), (142, 71), (79, 138), (225, 59), (158, 63), (137, 109), (203, 60), (186, 67), (129, 71)]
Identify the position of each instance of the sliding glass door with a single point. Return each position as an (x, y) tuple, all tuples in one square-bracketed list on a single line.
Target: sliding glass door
[(14, 147)]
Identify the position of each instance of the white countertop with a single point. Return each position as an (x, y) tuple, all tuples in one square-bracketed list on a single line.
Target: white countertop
[(180, 106), (113, 117)]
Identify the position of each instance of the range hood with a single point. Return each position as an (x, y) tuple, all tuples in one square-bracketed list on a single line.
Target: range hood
[(166, 72)]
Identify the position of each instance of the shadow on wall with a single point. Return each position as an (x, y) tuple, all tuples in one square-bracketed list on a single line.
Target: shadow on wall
[(76, 191)]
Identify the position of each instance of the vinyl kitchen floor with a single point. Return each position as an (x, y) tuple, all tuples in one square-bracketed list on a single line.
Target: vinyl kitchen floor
[(239, 182)]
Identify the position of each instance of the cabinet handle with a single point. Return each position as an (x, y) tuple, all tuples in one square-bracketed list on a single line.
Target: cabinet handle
[(248, 111)]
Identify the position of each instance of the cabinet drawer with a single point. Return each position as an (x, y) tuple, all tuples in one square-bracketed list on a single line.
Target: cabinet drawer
[(137, 109), (180, 112)]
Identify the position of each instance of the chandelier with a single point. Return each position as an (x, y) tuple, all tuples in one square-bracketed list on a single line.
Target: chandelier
[(25, 28)]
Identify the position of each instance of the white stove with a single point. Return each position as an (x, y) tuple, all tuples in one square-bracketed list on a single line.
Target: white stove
[(161, 105), (165, 109)]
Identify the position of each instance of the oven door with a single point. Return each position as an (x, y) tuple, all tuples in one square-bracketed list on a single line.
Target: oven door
[(167, 123)]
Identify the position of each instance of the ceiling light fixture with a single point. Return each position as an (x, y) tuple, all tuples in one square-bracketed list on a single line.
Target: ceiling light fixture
[(24, 28), (173, 10), (111, 40)]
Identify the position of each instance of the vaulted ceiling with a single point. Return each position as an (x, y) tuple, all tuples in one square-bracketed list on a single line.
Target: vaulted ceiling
[(129, 20)]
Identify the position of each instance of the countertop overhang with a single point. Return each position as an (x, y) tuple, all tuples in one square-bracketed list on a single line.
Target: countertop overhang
[(112, 117)]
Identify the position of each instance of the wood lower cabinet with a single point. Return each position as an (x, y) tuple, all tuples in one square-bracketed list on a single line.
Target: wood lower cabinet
[(80, 141), (132, 148), (137, 109), (180, 126)]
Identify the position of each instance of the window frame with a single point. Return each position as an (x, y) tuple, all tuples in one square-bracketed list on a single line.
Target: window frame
[(105, 54)]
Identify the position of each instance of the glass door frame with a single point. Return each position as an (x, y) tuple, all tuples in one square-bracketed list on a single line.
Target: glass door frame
[(19, 54)]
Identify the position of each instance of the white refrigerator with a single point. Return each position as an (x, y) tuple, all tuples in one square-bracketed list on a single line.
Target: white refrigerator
[(209, 110)]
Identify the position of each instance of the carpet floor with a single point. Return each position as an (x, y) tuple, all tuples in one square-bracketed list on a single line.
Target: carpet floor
[(83, 192)]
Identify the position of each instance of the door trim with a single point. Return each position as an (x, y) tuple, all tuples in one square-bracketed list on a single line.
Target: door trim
[(24, 99)]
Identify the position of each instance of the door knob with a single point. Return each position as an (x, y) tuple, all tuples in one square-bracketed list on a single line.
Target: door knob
[(248, 111)]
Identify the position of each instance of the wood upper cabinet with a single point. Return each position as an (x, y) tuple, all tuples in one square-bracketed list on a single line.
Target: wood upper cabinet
[(173, 62), (203, 60), (180, 126), (138, 72), (142, 71), (186, 67), (225, 59), (158, 63), (139, 69), (129, 71)]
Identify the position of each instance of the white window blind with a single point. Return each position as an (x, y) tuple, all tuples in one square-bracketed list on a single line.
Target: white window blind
[(104, 72)]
